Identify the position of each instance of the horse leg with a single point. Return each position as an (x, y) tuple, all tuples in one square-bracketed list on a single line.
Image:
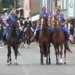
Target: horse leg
[(56, 53), (9, 55), (49, 58), (29, 43), (48, 54), (65, 55), (61, 54), (15, 51), (41, 51), (42, 59)]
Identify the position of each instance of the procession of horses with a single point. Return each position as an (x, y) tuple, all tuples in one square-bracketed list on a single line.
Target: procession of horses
[(44, 39)]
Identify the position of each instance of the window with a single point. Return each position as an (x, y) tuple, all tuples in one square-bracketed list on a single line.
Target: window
[(62, 4), (65, 2)]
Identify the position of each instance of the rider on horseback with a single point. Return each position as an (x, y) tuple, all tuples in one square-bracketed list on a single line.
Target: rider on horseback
[(63, 21), (46, 15), (28, 22), (8, 22)]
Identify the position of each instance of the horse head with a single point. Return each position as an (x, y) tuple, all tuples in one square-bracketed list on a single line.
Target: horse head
[(15, 25), (56, 23), (43, 22), (28, 27)]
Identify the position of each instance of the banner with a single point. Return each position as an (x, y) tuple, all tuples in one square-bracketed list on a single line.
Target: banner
[(70, 8), (45, 3), (26, 8)]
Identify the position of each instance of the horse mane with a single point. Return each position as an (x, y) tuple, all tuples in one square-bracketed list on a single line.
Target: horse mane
[(13, 31)]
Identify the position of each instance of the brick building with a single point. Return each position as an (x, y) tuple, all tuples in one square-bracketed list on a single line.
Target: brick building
[(35, 6)]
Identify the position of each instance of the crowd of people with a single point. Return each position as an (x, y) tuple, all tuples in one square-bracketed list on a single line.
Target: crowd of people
[(24, 22)]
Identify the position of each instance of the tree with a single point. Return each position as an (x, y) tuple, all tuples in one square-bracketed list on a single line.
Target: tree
[(0, 6), (7, 3), (10, 8)]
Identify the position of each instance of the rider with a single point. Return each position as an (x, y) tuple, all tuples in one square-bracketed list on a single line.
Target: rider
[(46, 15), (8, 22), (50, 19), (21, 29), (26, 23), (63, 21)]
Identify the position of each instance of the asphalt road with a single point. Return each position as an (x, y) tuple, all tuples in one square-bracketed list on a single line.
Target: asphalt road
[(29, 63)]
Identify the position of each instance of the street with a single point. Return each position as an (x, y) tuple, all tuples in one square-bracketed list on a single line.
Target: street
[(29, 63)]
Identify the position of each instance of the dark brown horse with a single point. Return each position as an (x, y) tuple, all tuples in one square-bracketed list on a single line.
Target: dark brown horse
[(44, 41), (12, 39), (28, 35), (1, 32), (58, 40)]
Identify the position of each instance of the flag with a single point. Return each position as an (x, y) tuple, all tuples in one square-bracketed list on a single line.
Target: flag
[(70, 8)]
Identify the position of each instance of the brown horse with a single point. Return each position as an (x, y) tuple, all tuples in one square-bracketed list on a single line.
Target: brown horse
[(1, 31), (58, 40), (12, 39), (28, 35), (44, 41)]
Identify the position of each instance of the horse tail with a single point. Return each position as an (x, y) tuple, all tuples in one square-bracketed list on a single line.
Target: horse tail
[(67, 47), (18, 53)]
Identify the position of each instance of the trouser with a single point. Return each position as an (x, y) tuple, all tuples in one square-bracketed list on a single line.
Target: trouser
[(4, 34), (36, 33), (20, 35), (64, 30)]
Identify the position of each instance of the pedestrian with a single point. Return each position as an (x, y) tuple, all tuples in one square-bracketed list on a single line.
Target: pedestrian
[(71, 34)]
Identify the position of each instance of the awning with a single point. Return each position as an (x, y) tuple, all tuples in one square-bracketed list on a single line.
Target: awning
[(34, 18)]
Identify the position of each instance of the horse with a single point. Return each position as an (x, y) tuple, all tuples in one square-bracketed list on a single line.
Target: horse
[(28, 35), (12, 40), (59, 40), (44, 41), (2, 27), (1, 31)]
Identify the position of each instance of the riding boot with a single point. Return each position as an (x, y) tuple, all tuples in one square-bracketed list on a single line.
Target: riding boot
[(4, 39)]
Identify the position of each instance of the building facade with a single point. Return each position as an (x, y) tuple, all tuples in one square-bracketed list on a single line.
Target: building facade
[(35, 6), (64, 7)]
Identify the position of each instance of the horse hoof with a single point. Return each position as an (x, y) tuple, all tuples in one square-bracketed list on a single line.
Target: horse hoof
[(15, 63), (60, 63), (28, 46), (57, 63), (64, 63), (49, 63), (8, 64), (24, 46), (42, 63)]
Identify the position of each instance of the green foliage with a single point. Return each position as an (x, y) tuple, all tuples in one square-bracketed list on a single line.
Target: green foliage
[(0, 7), (10, 8), (7, 3), (35, 13)]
